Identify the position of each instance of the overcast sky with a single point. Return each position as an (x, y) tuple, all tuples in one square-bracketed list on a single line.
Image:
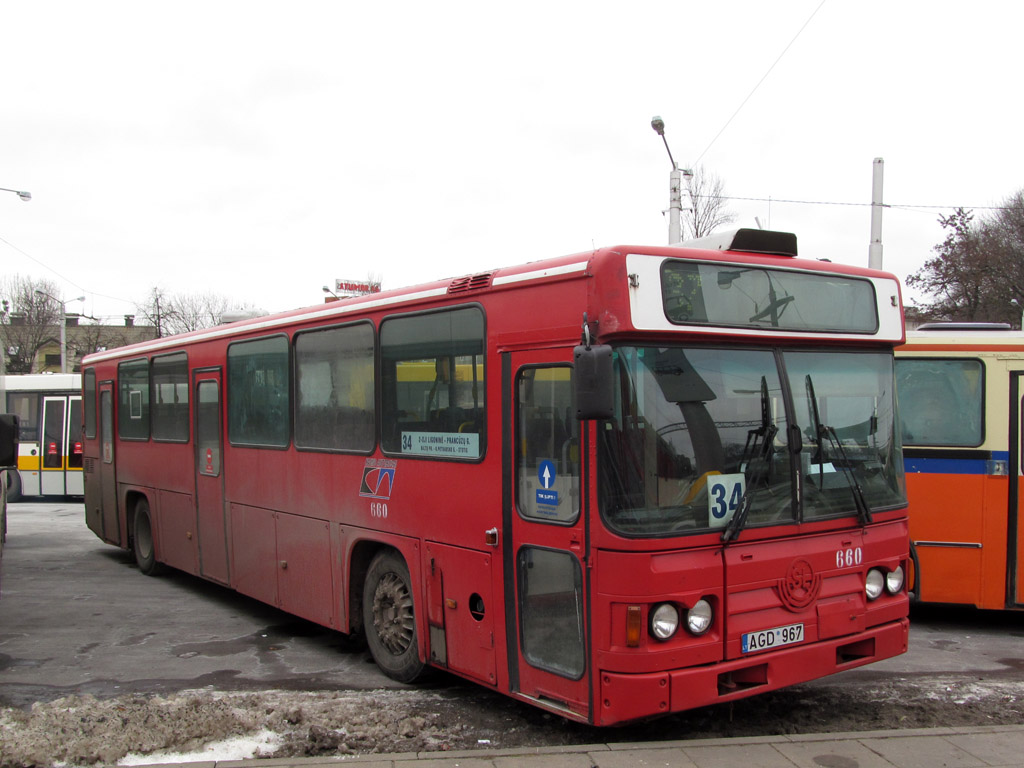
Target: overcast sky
[(260, 150)]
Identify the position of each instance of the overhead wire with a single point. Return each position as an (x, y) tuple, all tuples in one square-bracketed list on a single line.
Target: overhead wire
[(898, 206), (758, 85), (65, 278)]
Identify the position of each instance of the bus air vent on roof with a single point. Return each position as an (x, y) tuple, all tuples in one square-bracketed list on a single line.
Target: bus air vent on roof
[(470, 283), (749, 241)]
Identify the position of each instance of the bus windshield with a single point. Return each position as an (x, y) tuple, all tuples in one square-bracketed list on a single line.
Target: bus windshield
[(699, 433)]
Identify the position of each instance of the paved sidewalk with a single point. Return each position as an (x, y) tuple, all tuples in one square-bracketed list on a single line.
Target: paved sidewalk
[(924, 748)]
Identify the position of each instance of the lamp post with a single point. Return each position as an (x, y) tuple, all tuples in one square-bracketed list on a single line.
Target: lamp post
[(675, 187), (25, 196), (63, 326)]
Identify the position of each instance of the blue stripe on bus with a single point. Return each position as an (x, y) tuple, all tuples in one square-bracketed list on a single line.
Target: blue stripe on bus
[(938, 465)]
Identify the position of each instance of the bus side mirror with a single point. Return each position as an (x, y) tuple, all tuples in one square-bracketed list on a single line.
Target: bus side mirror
[(593, 377), (8, 440)]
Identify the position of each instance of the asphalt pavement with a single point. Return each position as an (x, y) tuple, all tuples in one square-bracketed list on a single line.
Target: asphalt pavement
[(981, 747)]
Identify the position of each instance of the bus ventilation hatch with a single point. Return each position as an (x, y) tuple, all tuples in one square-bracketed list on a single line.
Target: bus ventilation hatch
[(470, 283)]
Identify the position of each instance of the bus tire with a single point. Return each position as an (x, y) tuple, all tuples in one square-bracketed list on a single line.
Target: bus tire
[(13, 486), (142, 540), (389, 619)]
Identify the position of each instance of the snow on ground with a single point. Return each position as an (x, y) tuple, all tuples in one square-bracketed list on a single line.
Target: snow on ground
[(262, 744), (84, 730), (207, 725)]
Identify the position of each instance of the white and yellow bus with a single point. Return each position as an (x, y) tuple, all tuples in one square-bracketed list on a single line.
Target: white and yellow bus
[(49, 411)]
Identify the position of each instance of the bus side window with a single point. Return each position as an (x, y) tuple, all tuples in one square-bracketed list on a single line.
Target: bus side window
[(25, 405), (334, 399), (940, 401), (89, 403), (133, 400), (168, 397), (433, 384), (259, 392)]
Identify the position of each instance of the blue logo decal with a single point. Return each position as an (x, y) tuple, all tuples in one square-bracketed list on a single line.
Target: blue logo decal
[(378, 478)]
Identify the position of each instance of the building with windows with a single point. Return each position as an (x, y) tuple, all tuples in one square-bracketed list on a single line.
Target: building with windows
[(30, 348)]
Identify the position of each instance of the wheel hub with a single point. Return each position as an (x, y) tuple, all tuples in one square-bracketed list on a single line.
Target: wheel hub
[(393, 613)]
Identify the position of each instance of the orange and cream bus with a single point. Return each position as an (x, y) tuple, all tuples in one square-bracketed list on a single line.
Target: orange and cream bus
[(960, 399)]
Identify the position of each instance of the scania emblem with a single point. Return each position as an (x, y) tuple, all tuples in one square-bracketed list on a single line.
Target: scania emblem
[(799, 587)]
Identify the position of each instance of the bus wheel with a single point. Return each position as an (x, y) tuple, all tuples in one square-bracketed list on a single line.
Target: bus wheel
[(142, 540), (13, 485), (388, 618)]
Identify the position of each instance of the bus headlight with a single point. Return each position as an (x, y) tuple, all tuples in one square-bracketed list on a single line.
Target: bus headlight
[(874, 583), (894, 580), (664, 621), (698, 618)]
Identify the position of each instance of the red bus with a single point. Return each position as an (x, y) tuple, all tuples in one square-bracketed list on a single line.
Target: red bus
[(960, 392), (615, 485)]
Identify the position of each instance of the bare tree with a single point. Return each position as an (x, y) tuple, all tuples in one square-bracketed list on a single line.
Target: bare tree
[(85, 339), (184, 312), (28, 320), (1007, 238), (154, 310), (978, 270), (707, 210), (194, 311)]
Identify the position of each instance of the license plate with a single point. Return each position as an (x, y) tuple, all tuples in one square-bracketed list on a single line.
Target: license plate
[(773, 638)]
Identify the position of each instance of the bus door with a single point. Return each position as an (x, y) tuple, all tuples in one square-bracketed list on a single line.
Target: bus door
[(213, 553), (545, 537), (53, 446), (74, 481), (108, 473), (1015, 526)]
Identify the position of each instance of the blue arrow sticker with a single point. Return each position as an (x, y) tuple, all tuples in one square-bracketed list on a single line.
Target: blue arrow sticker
[(546, 473)]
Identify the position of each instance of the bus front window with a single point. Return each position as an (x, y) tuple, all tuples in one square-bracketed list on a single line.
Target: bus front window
[(698, 434), (845, 409), (694, 431)]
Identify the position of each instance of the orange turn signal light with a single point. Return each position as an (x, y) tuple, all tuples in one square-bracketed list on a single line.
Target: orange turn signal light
[(634, 626)]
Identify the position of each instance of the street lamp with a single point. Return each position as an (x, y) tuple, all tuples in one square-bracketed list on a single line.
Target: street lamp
[(25, 196), (336, 296), (675, 199), (63, 326)]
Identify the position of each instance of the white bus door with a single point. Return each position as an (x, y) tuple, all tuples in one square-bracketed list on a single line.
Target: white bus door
[(60, 446), (74, 482), (53, 447), (545, 540)]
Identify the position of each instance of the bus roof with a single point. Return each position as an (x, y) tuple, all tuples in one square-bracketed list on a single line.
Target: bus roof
[(41, 382), (980, 337), (579, 265)]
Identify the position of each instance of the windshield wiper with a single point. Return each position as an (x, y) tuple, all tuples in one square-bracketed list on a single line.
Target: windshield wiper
[(739, 519), (759, 447), (823, 432)]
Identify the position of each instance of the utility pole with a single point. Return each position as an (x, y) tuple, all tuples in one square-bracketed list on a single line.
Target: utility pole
[(875, 249)]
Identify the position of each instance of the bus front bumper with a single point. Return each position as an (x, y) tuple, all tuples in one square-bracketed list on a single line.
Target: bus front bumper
[(625, 697)]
